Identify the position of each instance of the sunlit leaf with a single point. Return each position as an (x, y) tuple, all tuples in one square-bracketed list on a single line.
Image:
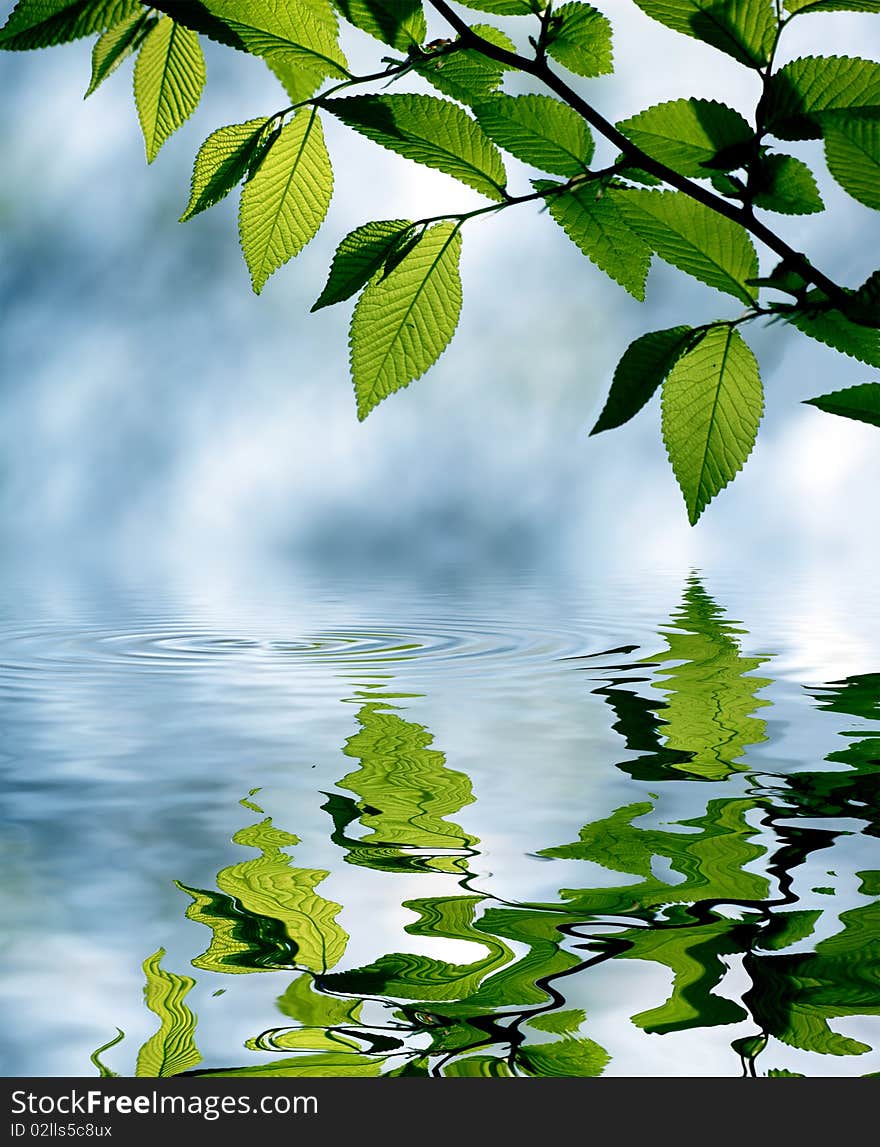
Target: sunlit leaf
[(852, 151), (785, 184), (539, 130), (284, 204), (580, 39), (224, 159), (691, 136), (114, 46), (565, 1057), (801, 94), (466, 74), (712, 405), (744, 29), (360, 255), (169, 76), (405, 320), (42, 23), (398, 23), (645, 364), (428, 130)]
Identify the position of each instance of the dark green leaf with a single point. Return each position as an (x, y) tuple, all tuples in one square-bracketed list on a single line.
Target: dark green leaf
[(580, 39), (169, 76), (404, 321), (832, 5), (115, 45), (594, 222), (466, 74), (694, 238), (744, 29), (539, 130), (712, 405), (284, 204), (852, 151), (786, 185), (428, 130), (859, 402), (643, 367), (836, 330), (691, 136), (398, 23), (802, 93), (359, 256), (505, 7), (224, 159), (42, 23)]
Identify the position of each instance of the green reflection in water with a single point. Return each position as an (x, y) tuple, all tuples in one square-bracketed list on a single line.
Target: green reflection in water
[(690, 896)]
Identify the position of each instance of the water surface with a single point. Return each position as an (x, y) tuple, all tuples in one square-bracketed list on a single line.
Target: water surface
[(515, 828)]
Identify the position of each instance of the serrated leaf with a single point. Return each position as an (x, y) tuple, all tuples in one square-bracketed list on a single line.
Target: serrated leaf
[(581, 40), (803, 92), (398, 23), (852, 152), (504, 7), (223, 161), (296, 36), (836, 330), (115, 45), (169, 76), (860, 402), (428, 130), (403, 322), (285, 201), (693, 238), (42, 23), (691, 136), (466, 74), (643, 368), (595, 224), (172, 1049), (832, 5), (558, 1022), (359, 256), (744, 29), (712, 406), (539, 130), (786, 185)]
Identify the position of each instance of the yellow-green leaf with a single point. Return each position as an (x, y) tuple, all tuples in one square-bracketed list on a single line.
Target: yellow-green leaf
[(284, 204), (168, 79), (172, 1049)]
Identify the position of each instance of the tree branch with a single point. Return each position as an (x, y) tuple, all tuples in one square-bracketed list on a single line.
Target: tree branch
[(741, 215)]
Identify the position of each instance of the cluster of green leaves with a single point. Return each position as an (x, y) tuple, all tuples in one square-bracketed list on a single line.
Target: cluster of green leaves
[(689, 177)]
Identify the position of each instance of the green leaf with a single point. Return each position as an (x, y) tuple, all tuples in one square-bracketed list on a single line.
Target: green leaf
[(284, 203), (852, 151), (115, 45), (398, 23), (95, 1058), (694, 238), (172, 1049), (836, 330), (359, 256), (223, 161), (804, 92), (580, 39), (428, 130), (786, 185), (564, 1057), (832, 5), (859, 402), (784, 929), (466, 74), (168, 79), (403, 322), (643, 367), (691, 136), (478, 1066), (744, 29), (539, 130), (504, 7), (301, 1002), (712, 405), (42, 23), (297, 34), (594, 222)]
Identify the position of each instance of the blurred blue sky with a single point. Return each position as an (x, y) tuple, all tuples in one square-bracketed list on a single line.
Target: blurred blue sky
[(156, 415)]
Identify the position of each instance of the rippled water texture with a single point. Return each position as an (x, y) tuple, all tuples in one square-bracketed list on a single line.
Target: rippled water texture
[(520, 829)]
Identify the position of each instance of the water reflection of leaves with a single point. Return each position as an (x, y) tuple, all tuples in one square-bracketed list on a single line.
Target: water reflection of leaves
[(172, 1049), (694, 895)]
